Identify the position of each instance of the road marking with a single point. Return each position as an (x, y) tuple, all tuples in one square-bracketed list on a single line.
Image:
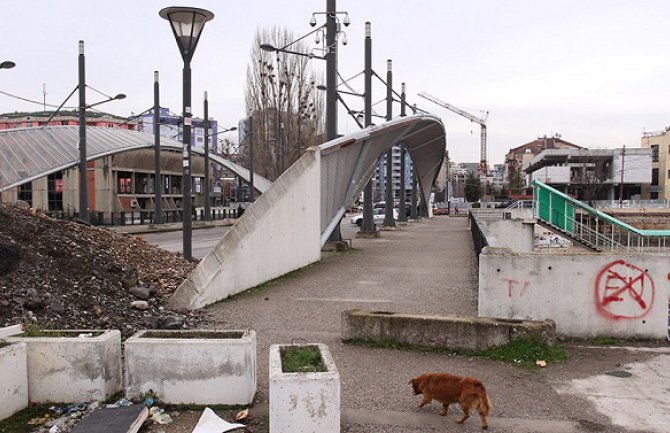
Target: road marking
[(344, 300)]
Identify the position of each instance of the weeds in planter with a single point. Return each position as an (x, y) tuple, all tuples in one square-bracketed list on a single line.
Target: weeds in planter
[(521, 351), (301, 359), (30, 330)]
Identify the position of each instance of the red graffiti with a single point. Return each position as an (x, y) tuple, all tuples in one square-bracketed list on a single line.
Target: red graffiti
[(623, 291), (511, 282)]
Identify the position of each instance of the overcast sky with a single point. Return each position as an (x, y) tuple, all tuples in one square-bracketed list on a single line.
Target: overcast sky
[(596, 72)]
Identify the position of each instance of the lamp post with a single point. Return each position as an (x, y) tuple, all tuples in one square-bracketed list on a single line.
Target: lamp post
[(187, 25), (7, 64), (84, 214), (402, 212), (368, 225), (208, 206), (388, 211), (158, 182)]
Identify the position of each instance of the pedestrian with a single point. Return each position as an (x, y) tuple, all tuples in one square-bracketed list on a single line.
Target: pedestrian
[(240, 210)]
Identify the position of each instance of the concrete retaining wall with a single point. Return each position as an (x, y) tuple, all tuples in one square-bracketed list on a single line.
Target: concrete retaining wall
[(451, 332), (587, 295), (13, 379), (279, 233), (514, 234)]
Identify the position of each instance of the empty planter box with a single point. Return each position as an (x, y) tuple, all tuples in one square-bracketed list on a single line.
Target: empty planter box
[(198, 367), (72, 365), (13, 378), (304, 401)]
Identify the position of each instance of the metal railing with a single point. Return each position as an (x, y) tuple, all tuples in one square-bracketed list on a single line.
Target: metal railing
[(592, 227), (478, 237), (631, 204), (142, 217)]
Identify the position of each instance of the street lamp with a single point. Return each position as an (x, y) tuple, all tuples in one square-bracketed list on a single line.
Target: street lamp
[(84, 214), (187, 25), (7, 64)]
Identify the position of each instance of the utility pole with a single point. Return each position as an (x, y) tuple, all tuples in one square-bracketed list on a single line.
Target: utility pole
[(623, 160), (368, 225), (250, 138), (83, 175), (402, 211), (388, 211), (158, 182), (331, 86)]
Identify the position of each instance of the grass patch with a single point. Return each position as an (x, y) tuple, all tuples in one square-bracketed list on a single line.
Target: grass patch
[(18, 423), (31, 330), (521, 351), (301, 359), (605, 341)]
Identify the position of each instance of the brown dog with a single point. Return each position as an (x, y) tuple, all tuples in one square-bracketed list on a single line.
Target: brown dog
[(447, 389)]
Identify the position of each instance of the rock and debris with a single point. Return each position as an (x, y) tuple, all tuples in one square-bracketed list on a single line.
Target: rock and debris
[(61, 274)]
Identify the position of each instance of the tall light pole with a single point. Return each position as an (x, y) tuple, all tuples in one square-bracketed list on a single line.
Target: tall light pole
[(402, 212), (388, 211), (187, 25), (84, 213), (368, 225), (208, 206), (158, 182)]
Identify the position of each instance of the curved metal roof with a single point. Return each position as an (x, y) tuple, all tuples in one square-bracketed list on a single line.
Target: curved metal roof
[(348, 162), (27, 154)]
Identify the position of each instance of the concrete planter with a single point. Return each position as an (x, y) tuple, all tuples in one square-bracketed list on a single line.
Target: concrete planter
[(67, 368), (13, 378), (304, 402), (193, 367)]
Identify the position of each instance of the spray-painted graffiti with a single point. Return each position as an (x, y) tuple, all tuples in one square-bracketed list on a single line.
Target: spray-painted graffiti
[(511, 282), (623, 291)]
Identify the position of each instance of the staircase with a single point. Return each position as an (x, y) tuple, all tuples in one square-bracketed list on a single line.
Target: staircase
[(591, 227)]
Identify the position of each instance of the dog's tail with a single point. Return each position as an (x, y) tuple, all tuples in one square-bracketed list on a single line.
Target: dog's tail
[(484, 400)]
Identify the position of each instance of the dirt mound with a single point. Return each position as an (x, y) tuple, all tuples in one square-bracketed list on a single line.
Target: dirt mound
[(61, 274)]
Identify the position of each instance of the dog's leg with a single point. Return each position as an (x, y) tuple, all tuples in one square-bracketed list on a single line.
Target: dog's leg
[(466, 413), (485, 425), (427, 398), (445, 409)]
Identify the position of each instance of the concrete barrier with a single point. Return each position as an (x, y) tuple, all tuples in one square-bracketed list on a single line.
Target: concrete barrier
[(192, 367), (279, 233), (473, 333), (304, 402), (67, 368), (587, 295), (13, 378)]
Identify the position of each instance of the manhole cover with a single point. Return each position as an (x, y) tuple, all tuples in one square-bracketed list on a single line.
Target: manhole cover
[(619, 373)]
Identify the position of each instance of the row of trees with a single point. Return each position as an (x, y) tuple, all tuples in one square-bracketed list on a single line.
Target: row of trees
[(282, 98)]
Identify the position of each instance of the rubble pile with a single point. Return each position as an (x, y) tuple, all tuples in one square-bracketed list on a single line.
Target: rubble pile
[(61, 274)]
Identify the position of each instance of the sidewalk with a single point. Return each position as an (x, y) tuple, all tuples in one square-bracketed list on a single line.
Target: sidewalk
[(426, 267)]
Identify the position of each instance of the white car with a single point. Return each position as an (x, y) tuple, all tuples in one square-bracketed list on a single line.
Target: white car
[(377, 217)]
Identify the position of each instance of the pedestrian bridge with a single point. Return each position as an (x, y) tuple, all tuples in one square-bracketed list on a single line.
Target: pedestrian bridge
[(285, 228)]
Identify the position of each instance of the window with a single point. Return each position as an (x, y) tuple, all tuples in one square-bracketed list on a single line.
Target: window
[(668, 174), (197, 185), (654, 153), (55, 191), (26, 193), (654, 176), (125, 182)]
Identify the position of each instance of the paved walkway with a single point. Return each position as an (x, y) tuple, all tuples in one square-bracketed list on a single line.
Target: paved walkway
[(426, 267)]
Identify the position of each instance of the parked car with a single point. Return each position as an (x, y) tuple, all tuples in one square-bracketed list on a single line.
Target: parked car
[(377, 217)]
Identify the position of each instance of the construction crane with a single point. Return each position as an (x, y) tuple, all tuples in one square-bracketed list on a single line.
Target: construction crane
[(482, 123)]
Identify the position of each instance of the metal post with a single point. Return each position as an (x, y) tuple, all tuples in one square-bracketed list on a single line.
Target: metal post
[(368, 224), (83, 177), (414, 212), (402, 211), (623, 160), (186, 155), (331, 86), (208, 207), (250, 135), (388, 211), (158, 182)]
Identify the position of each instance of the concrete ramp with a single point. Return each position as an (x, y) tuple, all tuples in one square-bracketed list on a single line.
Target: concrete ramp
[(284, 229), (279, 233)]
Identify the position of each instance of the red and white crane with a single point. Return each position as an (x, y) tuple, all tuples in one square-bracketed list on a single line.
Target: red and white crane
[(483, 168)]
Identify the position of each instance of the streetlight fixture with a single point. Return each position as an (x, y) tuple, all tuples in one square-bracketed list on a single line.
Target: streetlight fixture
[(187, 24), (7, 64)]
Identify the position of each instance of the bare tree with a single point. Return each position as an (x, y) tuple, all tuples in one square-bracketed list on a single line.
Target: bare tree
[(281, 96)]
